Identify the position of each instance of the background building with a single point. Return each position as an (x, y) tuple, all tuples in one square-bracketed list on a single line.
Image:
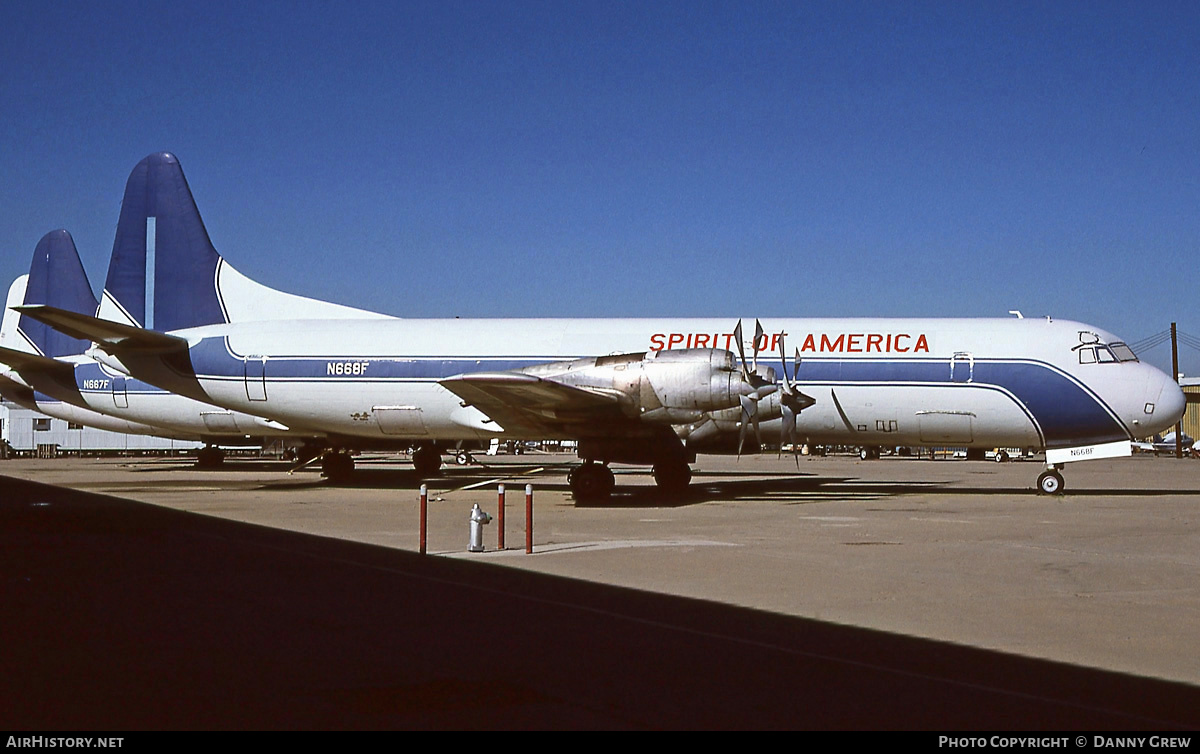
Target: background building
[(27, 431)]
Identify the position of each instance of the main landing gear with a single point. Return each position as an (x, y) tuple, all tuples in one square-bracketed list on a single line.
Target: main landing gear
[(594, 481), (427, 459), (337, 465), (210, 457), (591, 481), (673, 477)]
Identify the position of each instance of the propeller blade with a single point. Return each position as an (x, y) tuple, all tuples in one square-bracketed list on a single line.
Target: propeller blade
[(757, 432), (737, 337), (787, 432), (749, 410), (758, 335), (787, 381)]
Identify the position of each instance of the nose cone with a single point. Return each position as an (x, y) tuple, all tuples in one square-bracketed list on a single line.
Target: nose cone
[(1147, 399), (1171, 403)]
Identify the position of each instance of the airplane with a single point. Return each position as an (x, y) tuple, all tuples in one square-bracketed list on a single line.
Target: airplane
[(641, 391), (65, 383), (16, 390), (1165, 445)]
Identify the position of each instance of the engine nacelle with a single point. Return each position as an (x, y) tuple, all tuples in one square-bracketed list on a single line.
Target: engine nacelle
[(670, 387)]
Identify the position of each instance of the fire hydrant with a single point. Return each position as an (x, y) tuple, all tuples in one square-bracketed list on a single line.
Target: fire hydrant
[(478, 520)]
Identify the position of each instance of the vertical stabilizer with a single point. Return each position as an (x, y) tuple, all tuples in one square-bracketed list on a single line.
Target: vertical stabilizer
[(166, 275), (162, 275), (56, 278)]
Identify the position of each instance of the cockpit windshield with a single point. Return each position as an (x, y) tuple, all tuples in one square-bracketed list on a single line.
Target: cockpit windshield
[(1092, 351), (1122, 352)]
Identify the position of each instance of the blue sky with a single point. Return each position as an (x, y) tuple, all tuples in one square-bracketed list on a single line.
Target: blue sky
[(493, 159)]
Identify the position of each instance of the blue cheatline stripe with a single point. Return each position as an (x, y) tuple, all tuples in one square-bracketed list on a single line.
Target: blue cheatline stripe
[(151, 235), (1067, 412)]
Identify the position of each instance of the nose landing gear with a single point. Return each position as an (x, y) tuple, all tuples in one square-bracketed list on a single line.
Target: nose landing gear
[(1050, 482)]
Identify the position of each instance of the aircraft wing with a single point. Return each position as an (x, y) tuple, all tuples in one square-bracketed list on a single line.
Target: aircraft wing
[(108, 334), (525, 404)]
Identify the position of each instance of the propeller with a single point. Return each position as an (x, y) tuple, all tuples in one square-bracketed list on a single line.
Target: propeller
[(761, 386), (751, 376), (792, 402)]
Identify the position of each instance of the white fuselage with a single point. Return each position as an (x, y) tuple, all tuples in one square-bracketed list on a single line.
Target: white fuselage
[(961, 382)]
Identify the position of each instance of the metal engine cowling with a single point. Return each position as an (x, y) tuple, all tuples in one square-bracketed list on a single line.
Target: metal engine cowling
[(670, 387)]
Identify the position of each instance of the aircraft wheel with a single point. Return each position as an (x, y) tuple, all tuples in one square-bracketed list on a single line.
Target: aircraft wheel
[(427, 460), (1050, 483), (591, 481), (462, 458), (1001, 456), (672, 477), (210, 458), (337, 467)]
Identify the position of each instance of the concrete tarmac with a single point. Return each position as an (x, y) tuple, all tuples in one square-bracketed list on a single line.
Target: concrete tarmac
[(832, 593)]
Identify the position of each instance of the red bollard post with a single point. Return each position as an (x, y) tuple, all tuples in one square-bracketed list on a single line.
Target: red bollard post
[(424, 508), (528, 519), (500, 517)]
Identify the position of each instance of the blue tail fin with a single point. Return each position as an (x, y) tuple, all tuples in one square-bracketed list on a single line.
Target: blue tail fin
[(57, 278), (163, 269)]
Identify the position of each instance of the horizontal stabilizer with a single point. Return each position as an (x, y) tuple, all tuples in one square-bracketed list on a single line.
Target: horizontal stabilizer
[(23, 361), (111, 336), (19, 394), (45, 375)]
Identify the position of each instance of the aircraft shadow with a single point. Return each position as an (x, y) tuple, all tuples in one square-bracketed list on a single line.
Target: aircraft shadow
[(124, 615)]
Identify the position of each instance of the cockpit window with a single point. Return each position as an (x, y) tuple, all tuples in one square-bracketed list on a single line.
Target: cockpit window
[(1123, 352), (1092, 351)]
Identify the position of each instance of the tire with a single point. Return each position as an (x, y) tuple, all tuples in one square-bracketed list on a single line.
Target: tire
[(591, 482), (673, 478), (210, 458), (427, 460), (337, 467), (1050, 483)]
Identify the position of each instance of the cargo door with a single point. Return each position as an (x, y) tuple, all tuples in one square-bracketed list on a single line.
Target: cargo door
[(946, 427), (404, 421)]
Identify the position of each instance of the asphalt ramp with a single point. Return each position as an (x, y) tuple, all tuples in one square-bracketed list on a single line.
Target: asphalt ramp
[(120, 615)]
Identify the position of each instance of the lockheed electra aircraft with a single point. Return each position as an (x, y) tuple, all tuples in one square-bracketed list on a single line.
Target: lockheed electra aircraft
[(16, 389), (648, 391), (60, 381)]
